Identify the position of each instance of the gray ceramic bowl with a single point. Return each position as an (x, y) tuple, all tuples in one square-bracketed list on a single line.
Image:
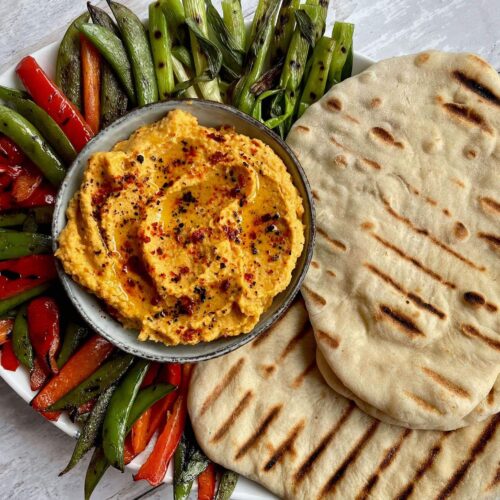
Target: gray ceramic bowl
[(208, 114)]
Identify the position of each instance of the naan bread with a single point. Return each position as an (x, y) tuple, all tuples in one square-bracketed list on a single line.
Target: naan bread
[(482, 411), (265, 412), (404, 288)]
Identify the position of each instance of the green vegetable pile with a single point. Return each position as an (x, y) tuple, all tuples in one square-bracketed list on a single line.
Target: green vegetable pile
[(273, 71)]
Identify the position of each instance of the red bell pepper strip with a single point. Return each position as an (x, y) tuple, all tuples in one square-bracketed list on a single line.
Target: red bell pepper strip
[(10, 152), (6, 326), (139, 431), (128, 452), (22, 274), (26, 184), (79, 367), (171, 373), (206, 483), (38, 376), (155, 467), (49, 97), (9, 360), (43, 328)]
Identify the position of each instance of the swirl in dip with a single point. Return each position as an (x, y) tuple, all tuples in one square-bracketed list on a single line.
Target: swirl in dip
[(187, 233)]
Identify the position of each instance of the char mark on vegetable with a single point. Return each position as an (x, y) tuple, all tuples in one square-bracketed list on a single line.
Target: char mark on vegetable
[(308, 464), (339, 474), (260, 432), (477, 87), (387, 460), (215, 394), (478, 448), (285, 447)]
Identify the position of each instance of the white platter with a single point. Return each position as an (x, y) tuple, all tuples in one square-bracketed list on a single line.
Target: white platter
[(19, 380)]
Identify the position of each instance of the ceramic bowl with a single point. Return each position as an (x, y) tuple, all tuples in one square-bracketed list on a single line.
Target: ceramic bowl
[(209, 114)]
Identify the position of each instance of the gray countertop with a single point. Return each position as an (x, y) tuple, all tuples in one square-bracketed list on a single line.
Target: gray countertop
[(33, 451)]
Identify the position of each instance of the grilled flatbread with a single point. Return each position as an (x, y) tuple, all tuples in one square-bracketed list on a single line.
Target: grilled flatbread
[(482, 411), (265, 412), (404, 288)]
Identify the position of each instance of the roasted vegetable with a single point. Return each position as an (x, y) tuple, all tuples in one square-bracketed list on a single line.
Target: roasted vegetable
[(342, 34), (9, 360), (7, 305), (115, 422), (91, 84), (227, 484), (49, 97), (68, 66), (74, 335), (16, 244), (21, 340), (136, 42), (28, 138), (206, 483)]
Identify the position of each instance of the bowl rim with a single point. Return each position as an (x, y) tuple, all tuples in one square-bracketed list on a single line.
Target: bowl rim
[(240, 340)]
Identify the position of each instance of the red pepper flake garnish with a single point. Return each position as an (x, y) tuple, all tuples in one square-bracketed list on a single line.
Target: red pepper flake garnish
[(198, 236), (224, 286), (248, 277), (231, 233), (216, 137), (185, 305), (184, 270), (217, 157)]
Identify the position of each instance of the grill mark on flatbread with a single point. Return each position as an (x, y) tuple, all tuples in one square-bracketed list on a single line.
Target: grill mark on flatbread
[(489, 205), (219, 388), (413, 190), (414, 261), (476, 300), (495, 481), (470, 331), (335, 243), (444, 382), (264, 335), (427, 234), (301, 127), (285, 447), (315, 195), (331, 273), (351, 458), (299, 379), (372, 163), (476, 87), (494, 241), (351, 118), (475, 451), (308, 464), (386, 137), (294, 342), (240, 408), (384, 464), (328, 338), (407, 490), (419, 302), (315, 264), (424, 404), (403, 322), (315, 297), (260, 432), (468, 115), (334, 104), (366, 161), (491, 396)]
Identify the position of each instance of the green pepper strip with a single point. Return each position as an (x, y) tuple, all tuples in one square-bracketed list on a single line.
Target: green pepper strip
[(42, 121), (90, 432), (28, 138), (68, 65), (7, 305), (115, 422), (73, 337), (99, 464), (16, 244), (20, 339)]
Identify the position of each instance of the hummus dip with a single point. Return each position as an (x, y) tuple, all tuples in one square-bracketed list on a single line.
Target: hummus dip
[(187, 233)]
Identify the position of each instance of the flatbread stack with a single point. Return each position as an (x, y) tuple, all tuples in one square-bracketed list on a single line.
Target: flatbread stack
[(386, 383), (404, 289), (266, 412)]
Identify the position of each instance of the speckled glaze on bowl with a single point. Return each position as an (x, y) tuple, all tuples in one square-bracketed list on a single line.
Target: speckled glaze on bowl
[(209, 114)]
